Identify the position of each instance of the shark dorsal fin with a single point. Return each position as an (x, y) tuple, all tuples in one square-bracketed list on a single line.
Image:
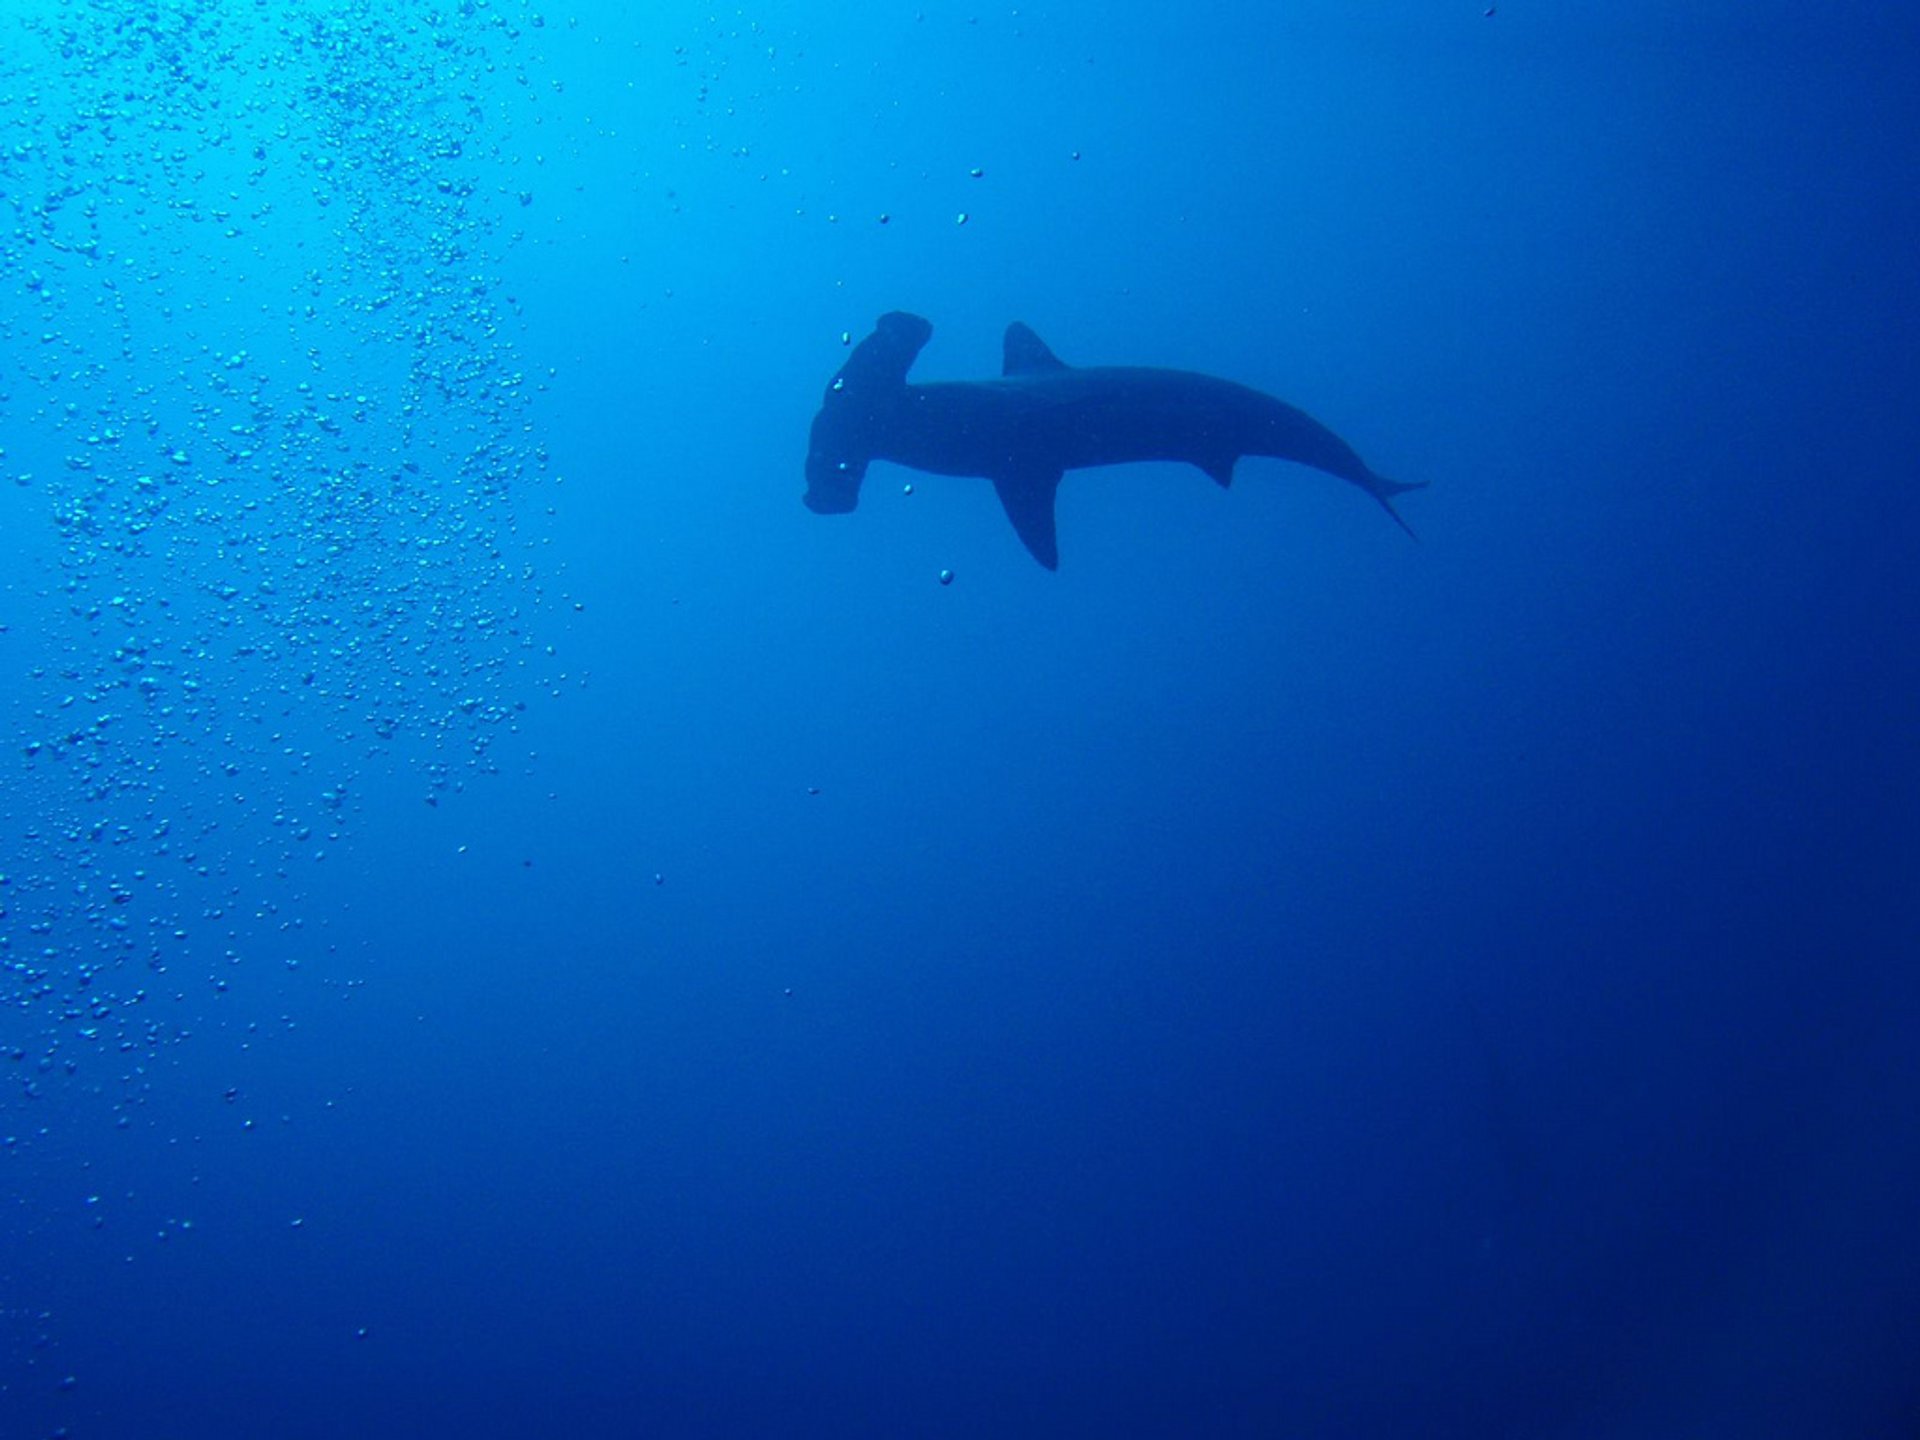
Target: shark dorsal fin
[(1025, 353)]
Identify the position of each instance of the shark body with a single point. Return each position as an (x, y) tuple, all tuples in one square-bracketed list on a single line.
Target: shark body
[(1041, 418)]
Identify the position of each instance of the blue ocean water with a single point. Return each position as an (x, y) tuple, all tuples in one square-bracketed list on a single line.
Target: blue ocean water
[(510, 925)]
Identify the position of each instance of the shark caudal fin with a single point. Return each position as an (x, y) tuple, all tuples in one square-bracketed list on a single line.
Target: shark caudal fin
[(1383, 490)]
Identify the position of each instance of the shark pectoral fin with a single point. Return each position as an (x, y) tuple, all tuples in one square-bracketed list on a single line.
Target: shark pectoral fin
[(1025, 353), (1219, 471), (1028, 498)]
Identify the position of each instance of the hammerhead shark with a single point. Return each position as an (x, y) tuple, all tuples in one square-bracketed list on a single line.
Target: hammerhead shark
[(1042, 418)]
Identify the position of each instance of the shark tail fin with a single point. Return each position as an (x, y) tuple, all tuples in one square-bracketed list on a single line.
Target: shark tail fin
[(1383, 490)]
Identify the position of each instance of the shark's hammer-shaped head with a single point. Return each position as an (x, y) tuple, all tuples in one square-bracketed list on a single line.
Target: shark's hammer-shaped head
[(859, 404), (836, 460)]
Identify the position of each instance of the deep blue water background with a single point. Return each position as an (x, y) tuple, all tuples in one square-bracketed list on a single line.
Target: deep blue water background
[(1269, 978)]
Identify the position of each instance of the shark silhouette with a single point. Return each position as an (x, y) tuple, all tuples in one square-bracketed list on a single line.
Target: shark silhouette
[(1043, 417)]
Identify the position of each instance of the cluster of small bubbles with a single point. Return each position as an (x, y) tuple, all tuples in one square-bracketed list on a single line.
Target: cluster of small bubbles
[(272, 444)]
